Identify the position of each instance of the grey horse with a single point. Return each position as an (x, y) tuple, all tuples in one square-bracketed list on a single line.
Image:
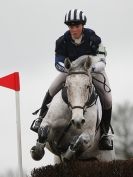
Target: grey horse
[(71, 125)]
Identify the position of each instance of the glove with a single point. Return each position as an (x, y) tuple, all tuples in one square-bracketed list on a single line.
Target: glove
[(98, 67)]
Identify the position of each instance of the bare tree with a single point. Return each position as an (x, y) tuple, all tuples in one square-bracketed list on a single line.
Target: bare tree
[(122, 121)]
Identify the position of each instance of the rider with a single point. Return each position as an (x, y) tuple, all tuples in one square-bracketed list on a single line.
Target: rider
[(75, 42)]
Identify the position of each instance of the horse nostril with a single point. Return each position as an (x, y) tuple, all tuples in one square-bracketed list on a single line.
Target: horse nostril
[(83, 121)]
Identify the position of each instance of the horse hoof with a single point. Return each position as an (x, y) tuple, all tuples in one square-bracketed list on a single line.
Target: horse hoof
[(37, 153)]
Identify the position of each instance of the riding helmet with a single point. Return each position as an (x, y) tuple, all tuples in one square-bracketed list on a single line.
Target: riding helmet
[(75, 17)]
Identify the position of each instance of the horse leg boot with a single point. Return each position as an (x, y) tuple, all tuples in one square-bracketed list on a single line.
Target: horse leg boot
[(70, 152), (37, 152), (76, 147), (43, 111), (105, 143)]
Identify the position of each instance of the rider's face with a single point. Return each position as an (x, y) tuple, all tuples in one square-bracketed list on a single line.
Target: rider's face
[(76, 31)]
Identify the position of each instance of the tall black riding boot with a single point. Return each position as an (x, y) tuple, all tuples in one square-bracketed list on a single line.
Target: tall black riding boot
[(47, 99), (105, 143), (43, 111)]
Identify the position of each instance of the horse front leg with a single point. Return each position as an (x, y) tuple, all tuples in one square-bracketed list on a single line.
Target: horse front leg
[(37, 152), (78, 145)]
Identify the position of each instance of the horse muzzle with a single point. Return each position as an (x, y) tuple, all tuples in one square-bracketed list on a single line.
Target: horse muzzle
[(78, 122)]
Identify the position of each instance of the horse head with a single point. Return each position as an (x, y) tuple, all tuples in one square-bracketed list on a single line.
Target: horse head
[(79, 88)]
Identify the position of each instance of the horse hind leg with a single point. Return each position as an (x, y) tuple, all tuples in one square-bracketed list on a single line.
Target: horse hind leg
[(37, 152)]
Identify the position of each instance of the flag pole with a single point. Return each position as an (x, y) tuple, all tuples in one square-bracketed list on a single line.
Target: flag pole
[(11, 81), (20, 168)]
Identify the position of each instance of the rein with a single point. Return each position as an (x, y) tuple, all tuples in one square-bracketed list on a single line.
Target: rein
[(104, 82)]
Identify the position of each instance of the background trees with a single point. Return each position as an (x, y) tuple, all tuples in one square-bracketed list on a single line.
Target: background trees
[(122, 122)]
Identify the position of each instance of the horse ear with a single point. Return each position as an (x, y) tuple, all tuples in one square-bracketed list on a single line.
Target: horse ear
[(87, 63), (67, 63)]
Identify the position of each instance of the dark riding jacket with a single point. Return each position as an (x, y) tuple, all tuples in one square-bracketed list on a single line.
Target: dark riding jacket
[(66, 47)]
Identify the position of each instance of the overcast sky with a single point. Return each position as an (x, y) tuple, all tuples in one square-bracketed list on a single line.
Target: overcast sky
[(28, 30)]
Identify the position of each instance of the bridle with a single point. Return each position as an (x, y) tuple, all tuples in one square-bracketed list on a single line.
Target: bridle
[(89, 87)]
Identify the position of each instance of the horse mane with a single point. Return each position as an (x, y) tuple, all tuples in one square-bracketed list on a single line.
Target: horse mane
[(78, 64)]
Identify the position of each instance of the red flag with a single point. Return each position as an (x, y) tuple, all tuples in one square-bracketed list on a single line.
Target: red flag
[(11, 81)]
